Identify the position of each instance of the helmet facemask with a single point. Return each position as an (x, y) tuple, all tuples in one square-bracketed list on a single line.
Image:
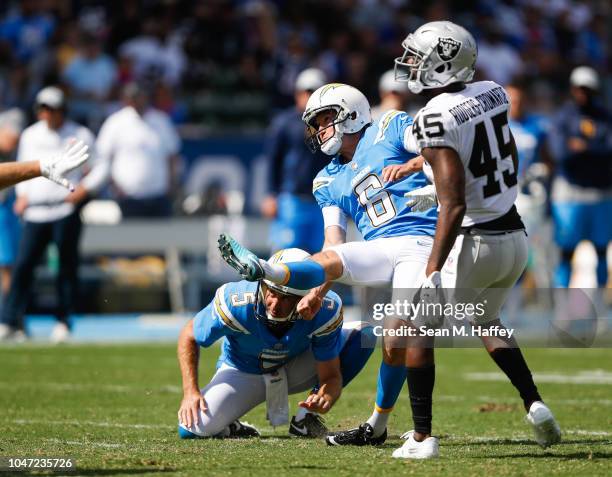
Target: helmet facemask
[(331, 145), (261, 310), (412, 66)]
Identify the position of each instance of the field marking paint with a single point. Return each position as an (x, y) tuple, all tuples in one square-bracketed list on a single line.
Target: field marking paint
[(595, 376), (485, 398), (119, 388), (104, 445), (89, 423)]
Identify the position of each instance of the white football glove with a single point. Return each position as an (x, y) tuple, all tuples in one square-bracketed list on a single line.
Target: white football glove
[(434, 280), (56, 167), (422, 199), (430, 292)]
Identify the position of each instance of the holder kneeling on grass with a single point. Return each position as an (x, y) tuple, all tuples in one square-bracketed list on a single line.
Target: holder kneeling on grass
[(268, 352)]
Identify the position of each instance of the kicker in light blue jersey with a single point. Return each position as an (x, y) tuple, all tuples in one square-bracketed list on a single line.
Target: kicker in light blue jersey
[(378, 210), (248, 345)]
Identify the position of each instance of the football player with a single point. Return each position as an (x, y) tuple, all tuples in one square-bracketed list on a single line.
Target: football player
[(470, 155), (397, 239), (268, 352)]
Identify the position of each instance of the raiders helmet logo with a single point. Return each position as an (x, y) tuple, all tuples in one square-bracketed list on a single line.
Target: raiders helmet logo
[(448, 48)]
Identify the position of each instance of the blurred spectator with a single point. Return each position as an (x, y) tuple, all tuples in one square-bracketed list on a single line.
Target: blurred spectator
[(530, 133), (529, 130), (125, 23), (155, 54), (27, 31), (581, 145), (393, 95), (90, 77), (12, 123), (142, 146), (50, 213), (292, 167), (497, 60)]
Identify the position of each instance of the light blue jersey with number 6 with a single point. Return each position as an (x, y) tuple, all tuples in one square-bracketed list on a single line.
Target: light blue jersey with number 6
[(378, 209)]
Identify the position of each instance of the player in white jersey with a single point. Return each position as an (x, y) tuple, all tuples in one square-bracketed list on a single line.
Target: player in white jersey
[(470, 155)]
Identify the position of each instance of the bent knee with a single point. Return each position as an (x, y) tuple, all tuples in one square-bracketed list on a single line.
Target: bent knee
[(331, 262), (207, 427)]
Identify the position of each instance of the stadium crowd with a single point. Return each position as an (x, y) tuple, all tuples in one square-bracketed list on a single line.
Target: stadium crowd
[(225, 64), (215, 66)]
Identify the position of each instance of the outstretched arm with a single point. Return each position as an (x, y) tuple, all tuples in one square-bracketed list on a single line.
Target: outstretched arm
[(188, 353), (12, 173), (54, 168)]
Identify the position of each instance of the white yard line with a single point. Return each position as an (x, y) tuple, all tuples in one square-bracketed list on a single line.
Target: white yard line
[(485, 398), (119, 388), (104, 445), (88, 423), (596, 376)]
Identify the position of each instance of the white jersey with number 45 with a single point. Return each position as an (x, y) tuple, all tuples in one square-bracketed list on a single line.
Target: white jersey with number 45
[(473, 122)]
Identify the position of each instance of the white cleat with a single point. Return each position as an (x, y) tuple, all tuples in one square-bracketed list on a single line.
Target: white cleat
[(10, 334), (545, 427), (60, 333), (427, 449)]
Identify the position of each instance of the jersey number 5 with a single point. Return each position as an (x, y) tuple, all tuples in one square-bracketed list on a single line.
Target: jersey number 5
[(482, 163), (377, 202)]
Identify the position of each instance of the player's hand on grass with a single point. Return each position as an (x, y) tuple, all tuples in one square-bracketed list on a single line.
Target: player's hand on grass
[(309, 306), (399, 171), (55, 168), (320, 402), (191, 404)]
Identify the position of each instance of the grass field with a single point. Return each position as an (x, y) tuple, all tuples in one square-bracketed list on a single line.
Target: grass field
[(113, 409)]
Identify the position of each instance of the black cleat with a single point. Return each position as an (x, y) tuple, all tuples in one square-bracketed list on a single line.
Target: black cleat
[(242, 430), (360, 436), (311, 426)]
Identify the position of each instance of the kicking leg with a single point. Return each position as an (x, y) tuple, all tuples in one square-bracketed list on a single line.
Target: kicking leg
[(300, 275)]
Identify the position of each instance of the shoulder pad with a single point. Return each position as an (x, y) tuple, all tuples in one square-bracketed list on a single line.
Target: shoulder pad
[(321, 181), (330, 317), (224, 312)]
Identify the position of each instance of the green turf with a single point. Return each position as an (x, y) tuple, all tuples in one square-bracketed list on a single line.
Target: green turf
[(113, 409)]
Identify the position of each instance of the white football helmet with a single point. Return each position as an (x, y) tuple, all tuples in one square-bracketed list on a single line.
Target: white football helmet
[(435, 55), (282, 256), (352, 115)]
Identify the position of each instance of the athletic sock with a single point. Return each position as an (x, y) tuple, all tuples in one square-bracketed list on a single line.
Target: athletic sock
[(301, 275), (390, 383), (301, 413), (512, 363), (420, 386)]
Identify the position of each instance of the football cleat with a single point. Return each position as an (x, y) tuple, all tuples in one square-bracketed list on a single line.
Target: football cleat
[(311, 426), (12, 334), (236, 430), (242, 430), (428, 448), (360, 436), (545, 428), (241, 259), (60, 333)]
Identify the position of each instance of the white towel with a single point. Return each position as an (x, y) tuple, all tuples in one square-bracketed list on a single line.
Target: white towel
[(277, 397)]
